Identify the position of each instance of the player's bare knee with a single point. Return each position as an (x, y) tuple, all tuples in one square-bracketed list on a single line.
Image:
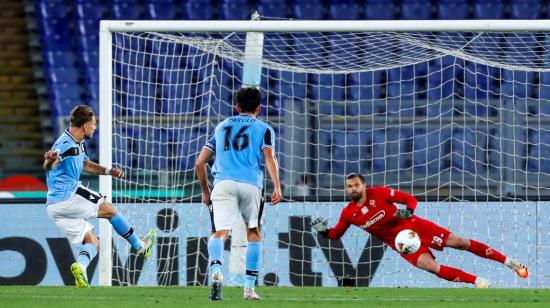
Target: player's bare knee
[(221, 234), (254, 235), (107, 210)]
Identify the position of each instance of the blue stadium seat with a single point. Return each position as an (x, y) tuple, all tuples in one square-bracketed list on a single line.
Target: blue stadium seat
[(428, 154), (329, 87), (364, 86), (198, 10), (441, 78), (453, 9), (525, 9), (380, 9), (92, 91), (63, 74), (401, 82), (62, 95), (162, 9), (292, 84), (469, 151), (91, 74), (539, 151), (60, 58), (273, 8), (480, 82), (85, 10), (90, 59), (344, 10), (235, 10), (55, 34), (489, 9), (379, 151), (308, 10), (52, 9), (544, 88), (416, 9), (126, 10), (306, 47)]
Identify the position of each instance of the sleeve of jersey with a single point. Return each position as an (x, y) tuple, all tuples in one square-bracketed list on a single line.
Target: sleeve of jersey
[(211, 143), (402, 198), (269, 139), (63, 149), (339, 229)]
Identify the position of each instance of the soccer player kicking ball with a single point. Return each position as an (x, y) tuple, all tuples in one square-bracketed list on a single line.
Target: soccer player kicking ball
[(373, 210), (69, 204), (241, 145)]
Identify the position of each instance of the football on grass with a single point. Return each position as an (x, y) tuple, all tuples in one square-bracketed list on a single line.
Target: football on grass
[(407, 242)]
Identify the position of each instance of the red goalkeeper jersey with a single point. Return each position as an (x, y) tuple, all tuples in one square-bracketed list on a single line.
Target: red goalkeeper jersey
[(375, 215)]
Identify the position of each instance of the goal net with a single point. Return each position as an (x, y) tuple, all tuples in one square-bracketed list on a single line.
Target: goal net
[(459, 118)]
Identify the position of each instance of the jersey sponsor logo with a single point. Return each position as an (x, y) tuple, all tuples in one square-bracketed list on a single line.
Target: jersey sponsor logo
[(375, 218), (436, 240)]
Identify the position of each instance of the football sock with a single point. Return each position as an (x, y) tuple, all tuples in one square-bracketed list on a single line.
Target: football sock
[(122, 227), (252, 263), (215, 252), (86, 254), (485, 251), (454, 274)]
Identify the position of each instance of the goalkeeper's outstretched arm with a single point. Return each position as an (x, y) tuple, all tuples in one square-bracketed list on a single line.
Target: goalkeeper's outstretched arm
[(320, 225)]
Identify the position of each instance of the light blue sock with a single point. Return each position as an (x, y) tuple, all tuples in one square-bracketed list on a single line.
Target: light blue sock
[(122, 227), (252, 263), (86, 254), (215, 254)]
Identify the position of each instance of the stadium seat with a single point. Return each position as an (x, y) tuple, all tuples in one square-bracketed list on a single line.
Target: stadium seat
[(308, 10), (480, 82), (544, 88), (364, 86), (329, 88), (416, 9), (55, 34), (61, 94), (378, 150), (429, 153), (453, 9), (60, 58), (469, 151), (344, 10), (539, 151), (126, 10), (198, 10), (88, 33), (63, 74), (162, 9), (235, 10), (89, 10), (380, 9), (52, 9), (489, 9), (89, 59), (401, 82), (441, 78), (291, 84), (525, 9), (273, 8)]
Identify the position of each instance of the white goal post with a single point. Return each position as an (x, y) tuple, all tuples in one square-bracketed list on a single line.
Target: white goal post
[(331, 117)]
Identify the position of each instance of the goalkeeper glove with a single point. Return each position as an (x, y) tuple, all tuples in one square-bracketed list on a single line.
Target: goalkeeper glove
[(404, 213), (320, 224)]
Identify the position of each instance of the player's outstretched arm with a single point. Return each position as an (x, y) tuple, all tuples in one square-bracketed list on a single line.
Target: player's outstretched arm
[(273, 169), (51, 158), (94, 168), (320, 225), (200, 168)]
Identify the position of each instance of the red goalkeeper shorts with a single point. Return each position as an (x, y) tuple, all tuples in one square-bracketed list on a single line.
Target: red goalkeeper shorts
[(431, 236)]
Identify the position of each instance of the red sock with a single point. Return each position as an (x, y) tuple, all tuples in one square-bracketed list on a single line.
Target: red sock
[(486, 252), (454, 274)]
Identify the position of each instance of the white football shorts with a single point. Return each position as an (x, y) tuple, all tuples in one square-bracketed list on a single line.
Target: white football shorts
[(70, 215), (230, 199)]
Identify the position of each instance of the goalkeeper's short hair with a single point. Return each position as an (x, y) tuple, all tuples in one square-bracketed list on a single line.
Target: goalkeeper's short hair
[(355, 175), (249, 99)]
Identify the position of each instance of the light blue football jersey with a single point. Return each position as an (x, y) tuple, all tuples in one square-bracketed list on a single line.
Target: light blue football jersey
[(238, 144), (64, 178)]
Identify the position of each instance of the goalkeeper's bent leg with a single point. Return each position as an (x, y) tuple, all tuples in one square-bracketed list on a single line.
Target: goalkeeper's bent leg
[(455, 274)]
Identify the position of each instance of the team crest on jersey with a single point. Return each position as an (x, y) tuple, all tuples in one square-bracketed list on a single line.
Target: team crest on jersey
[(372, 203), (364, 210)]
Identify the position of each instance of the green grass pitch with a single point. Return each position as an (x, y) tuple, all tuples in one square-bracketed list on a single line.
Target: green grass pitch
[(280, 297)]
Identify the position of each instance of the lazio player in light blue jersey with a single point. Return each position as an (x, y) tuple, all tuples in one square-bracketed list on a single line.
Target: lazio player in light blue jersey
[(69, 204), (242, 145)]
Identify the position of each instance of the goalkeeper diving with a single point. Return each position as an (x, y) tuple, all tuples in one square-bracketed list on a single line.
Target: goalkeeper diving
[(373, 210)]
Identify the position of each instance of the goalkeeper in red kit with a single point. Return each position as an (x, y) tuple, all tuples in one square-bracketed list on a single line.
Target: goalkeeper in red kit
[(373, 210)]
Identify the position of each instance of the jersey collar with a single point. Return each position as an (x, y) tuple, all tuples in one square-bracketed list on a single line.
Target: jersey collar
[(69, 134)]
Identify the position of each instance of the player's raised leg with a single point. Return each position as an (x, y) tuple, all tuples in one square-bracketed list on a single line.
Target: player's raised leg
[(427, 262), (487, 252), (123, 228)]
